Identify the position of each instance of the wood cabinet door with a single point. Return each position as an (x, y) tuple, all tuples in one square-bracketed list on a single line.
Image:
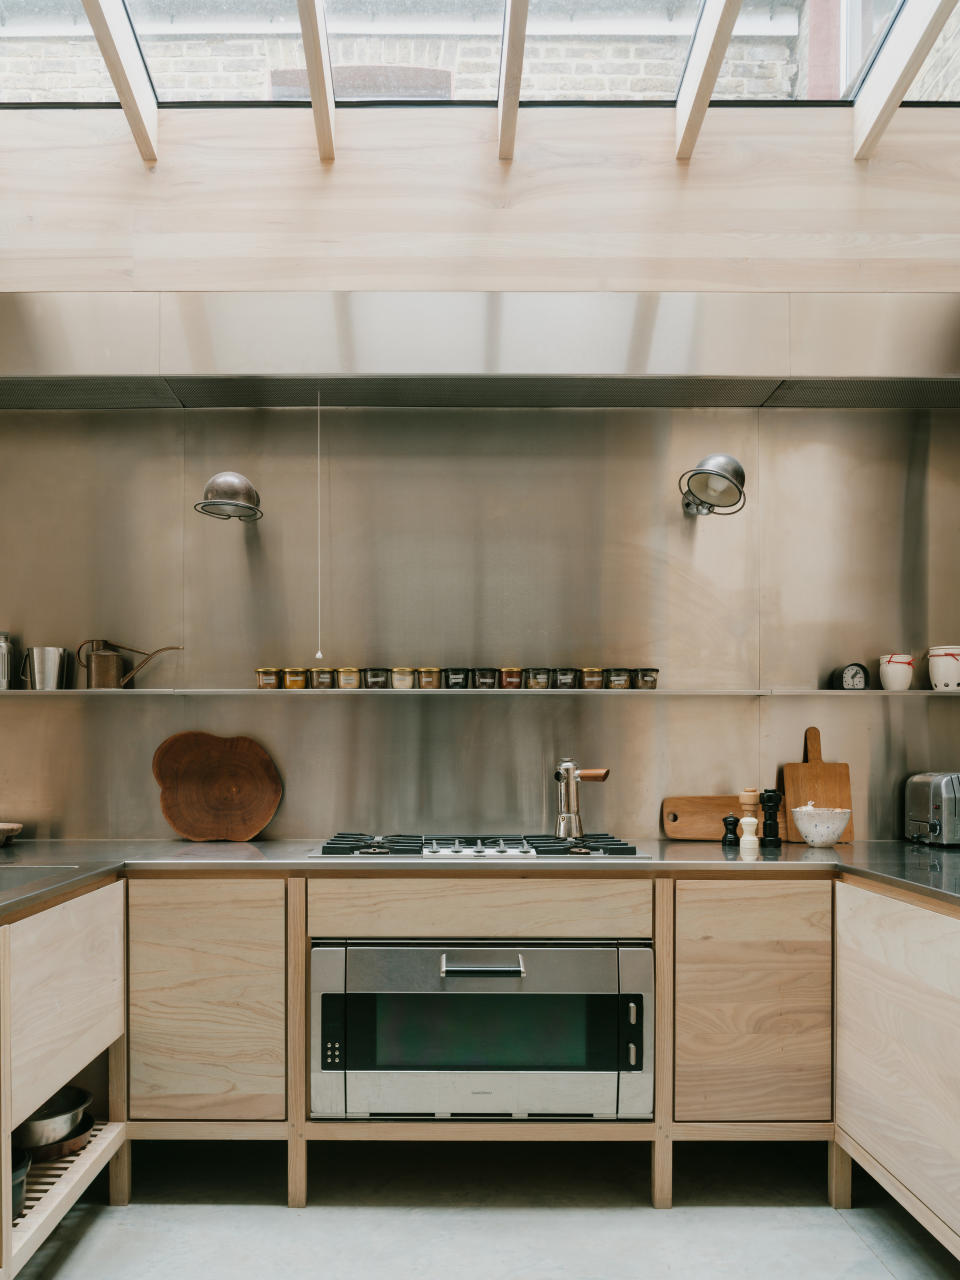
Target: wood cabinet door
[(753, 1001), (207, 999), (898, 1043), (66, 993)]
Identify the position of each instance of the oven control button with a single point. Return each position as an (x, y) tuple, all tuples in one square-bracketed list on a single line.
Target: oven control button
[(632, 1014), (632, 1054)]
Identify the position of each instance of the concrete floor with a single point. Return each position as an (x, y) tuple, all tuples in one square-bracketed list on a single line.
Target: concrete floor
[(487, 1212)]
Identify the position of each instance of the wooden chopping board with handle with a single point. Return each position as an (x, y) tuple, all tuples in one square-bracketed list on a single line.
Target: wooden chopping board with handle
[(697, 817), (827, 785)]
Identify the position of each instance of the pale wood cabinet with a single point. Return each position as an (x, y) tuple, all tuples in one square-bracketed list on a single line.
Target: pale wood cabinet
[(207, 1004), (753, 1001), (423, 906), (898, 1045), (66, 993)]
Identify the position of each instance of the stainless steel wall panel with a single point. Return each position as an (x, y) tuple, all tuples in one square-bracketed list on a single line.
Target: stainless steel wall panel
[(91, 514), (874, 335), (844, 541), (65, 334)]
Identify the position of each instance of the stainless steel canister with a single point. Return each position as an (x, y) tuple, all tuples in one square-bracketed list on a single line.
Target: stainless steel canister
[(6, 660), (45, 667)]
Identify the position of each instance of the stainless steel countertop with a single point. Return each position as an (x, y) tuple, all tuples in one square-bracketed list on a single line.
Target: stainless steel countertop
[(66, 864)]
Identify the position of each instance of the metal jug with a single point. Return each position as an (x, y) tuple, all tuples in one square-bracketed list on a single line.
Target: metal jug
[(45, 667), (104, 666)]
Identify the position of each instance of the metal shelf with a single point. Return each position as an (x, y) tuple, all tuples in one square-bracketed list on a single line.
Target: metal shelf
[(479, 693)]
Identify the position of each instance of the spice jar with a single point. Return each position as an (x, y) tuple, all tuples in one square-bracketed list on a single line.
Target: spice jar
[(268, 677), (591, 677), (294, 677), (485, 677), (511, 677), (321, 677), (403, 678), (456, 677), (616, 678), (646, 677), (376, 678), (429, 677), (566, 678), (348, 677), (536, 678)]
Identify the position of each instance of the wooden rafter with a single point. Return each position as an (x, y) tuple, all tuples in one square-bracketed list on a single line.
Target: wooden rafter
[(709, 45), (121, 52), (313, 25), (888, 81), (511, 70)]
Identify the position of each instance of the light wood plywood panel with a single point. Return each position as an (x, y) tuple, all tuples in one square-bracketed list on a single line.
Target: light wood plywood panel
[(418, 199), (898, 1042), (446, 907), (66, 993), (207, 1000), (753, 1001)]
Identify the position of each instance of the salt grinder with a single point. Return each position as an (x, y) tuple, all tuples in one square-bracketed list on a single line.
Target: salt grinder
[(770, 804)]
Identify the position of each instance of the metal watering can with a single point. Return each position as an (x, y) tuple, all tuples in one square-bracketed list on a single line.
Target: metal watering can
[(105, 667)]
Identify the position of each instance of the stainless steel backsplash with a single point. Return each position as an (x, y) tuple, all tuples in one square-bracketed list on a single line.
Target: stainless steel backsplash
[(451, 536)]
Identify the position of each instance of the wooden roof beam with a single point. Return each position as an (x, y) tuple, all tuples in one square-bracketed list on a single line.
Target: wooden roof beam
[(895, 67), (128, 71), (511, 70), (313, 26), (710, 40)]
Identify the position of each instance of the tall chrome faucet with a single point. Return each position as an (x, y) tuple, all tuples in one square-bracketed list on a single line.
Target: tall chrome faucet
[(568, 776)]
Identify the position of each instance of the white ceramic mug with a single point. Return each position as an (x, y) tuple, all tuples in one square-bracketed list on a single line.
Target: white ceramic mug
[(945, 666), (896, 671)]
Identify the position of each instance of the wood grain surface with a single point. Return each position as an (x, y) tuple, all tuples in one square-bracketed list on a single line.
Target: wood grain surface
[(207, 1022), (419, 200), (827, 785), (214, 788), (753, 1001), (425, 906), (698, 817), (66, 993), (898, 1042)]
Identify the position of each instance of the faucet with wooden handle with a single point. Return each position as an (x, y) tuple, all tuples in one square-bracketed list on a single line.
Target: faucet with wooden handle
[(569, 775)]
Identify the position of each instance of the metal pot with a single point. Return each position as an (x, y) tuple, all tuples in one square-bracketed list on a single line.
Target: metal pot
[(57, 1117), (105, 667)]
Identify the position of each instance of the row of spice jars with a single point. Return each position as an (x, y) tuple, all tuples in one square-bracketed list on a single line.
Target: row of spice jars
[(457, 677)]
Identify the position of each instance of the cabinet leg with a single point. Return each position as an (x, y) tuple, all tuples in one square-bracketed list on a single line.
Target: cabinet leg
[(121, 1176), (296, 1171), (661, 1173), (839, 1177)]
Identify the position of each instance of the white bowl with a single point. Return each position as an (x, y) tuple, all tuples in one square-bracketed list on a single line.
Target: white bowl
[(820, 827), (896, 671), (945, 666), (9, 830)]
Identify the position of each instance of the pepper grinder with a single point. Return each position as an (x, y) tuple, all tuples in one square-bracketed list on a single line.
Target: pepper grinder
[(770, 804), (730, 838), (749, 802)]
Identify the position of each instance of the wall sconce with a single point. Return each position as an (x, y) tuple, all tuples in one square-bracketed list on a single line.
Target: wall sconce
[(229, 494), (713, 486)]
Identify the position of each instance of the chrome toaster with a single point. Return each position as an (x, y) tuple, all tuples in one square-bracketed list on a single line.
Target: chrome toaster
[(932, 808)]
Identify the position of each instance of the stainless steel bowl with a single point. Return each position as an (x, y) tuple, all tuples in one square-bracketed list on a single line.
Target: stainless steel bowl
[(229, 494), (57, 1117)]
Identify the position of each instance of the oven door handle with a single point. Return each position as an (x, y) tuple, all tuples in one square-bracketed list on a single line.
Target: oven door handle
[(482, 970)]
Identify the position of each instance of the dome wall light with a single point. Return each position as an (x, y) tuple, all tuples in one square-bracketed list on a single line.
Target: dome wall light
[(715, 486), (229, 495)]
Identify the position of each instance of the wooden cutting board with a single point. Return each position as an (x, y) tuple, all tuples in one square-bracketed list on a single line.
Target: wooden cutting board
[(214, 788), (827, 785), (698, 817)]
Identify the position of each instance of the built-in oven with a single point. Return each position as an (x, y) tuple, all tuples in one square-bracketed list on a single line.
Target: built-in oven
[(519, 1030)]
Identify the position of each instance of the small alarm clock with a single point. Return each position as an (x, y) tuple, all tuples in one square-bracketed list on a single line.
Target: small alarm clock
[(853, 676)]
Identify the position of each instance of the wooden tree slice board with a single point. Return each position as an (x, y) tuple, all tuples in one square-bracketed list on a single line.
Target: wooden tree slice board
[(214, 788), (697, 817), (827, 785)]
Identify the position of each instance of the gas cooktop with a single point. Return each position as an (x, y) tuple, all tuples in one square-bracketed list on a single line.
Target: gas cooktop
[(358, 845)]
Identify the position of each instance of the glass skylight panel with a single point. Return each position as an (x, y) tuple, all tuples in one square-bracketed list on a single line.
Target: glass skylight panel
[(222, 50), (415, 50), (606, 50), (939, 78), (802, 50), (48, 54)]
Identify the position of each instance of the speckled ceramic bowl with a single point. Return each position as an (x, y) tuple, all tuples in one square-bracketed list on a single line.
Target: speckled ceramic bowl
[(820, 827)]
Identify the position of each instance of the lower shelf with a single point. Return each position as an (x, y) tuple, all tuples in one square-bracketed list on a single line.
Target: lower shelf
[(54, 1186)]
